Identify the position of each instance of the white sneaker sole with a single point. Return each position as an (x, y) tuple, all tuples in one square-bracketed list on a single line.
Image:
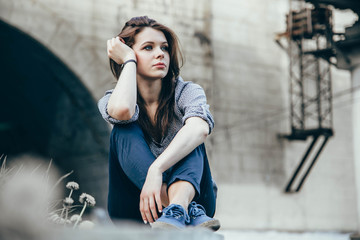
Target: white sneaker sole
[(163, 225), (213, 224)]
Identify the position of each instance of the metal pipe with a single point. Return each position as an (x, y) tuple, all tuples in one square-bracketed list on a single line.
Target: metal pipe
[(288, 187), (312, 164)]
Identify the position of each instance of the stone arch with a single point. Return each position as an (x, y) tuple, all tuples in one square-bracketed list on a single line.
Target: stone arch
[(46, 110), (74, 40)]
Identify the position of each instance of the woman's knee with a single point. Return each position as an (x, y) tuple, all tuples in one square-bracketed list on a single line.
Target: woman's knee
[(131, 130), (131, 151), (126, 139)]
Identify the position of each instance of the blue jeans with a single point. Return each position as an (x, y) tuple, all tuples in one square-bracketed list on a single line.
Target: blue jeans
[(129, 160)]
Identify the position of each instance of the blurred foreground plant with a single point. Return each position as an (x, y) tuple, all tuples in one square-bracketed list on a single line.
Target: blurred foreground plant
[(26, 193), (27, 196), (87, 200)]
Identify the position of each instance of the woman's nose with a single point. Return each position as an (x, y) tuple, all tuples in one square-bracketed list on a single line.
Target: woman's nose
[(159, 53)]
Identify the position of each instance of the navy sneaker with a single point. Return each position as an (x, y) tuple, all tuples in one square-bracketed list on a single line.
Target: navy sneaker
[(173, 217), (198, 217)]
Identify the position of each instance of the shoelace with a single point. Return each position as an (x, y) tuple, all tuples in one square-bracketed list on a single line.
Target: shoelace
[(196, 210), (176, 212)]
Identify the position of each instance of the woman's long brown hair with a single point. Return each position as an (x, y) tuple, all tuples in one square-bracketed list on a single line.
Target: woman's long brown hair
[(165, 112)]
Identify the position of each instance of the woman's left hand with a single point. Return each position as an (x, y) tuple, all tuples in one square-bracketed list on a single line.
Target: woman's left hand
[(150, 199), (118, 51)]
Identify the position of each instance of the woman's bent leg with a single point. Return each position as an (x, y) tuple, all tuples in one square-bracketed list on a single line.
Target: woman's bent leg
[(123, 196), (129, 160), (190, 176), (207, 198), (195, 169), (128, 146)]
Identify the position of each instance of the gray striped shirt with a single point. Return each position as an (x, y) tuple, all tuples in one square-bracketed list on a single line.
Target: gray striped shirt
[(190, 101)]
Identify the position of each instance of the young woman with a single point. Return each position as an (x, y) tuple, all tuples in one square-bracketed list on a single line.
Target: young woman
[(157, 153)]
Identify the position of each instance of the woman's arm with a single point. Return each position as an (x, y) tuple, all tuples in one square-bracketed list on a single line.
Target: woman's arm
[(122, 102), (191, 135)]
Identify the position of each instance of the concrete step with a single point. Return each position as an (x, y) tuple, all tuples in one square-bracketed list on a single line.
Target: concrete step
[(136, 233)]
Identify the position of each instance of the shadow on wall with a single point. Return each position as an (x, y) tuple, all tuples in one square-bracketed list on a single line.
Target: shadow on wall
[(47, 111)]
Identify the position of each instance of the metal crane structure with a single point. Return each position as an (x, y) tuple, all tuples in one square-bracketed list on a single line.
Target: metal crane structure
[(310, 46), (313, 47)]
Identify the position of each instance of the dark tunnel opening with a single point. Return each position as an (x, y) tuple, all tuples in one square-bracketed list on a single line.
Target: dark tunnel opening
[(47, 111)]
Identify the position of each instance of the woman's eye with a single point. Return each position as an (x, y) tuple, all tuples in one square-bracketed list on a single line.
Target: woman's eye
[(148, 47), (165, 48)]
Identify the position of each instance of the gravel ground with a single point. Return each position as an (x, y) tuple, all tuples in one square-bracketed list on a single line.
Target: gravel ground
[(274, 235)]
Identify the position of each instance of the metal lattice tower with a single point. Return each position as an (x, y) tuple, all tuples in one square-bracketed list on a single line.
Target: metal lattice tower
[(309, 44), (310, 49)]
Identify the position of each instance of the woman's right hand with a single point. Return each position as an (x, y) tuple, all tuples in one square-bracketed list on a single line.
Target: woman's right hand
[(118, 51), (150, 197)]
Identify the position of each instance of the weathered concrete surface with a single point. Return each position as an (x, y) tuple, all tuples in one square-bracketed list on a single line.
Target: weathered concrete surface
[(356, 119), (273, 235)]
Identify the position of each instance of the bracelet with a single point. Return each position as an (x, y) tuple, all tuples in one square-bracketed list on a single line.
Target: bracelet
[(130, 60)]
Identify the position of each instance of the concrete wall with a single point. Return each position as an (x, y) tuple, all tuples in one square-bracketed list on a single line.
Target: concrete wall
[(251, 107), (356, 118), (230, 50)]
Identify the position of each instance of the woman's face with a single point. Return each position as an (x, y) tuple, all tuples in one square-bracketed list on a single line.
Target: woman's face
[(151, 49)]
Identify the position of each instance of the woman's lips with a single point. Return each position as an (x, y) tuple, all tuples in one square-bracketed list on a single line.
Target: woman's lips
[(160, 65)]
